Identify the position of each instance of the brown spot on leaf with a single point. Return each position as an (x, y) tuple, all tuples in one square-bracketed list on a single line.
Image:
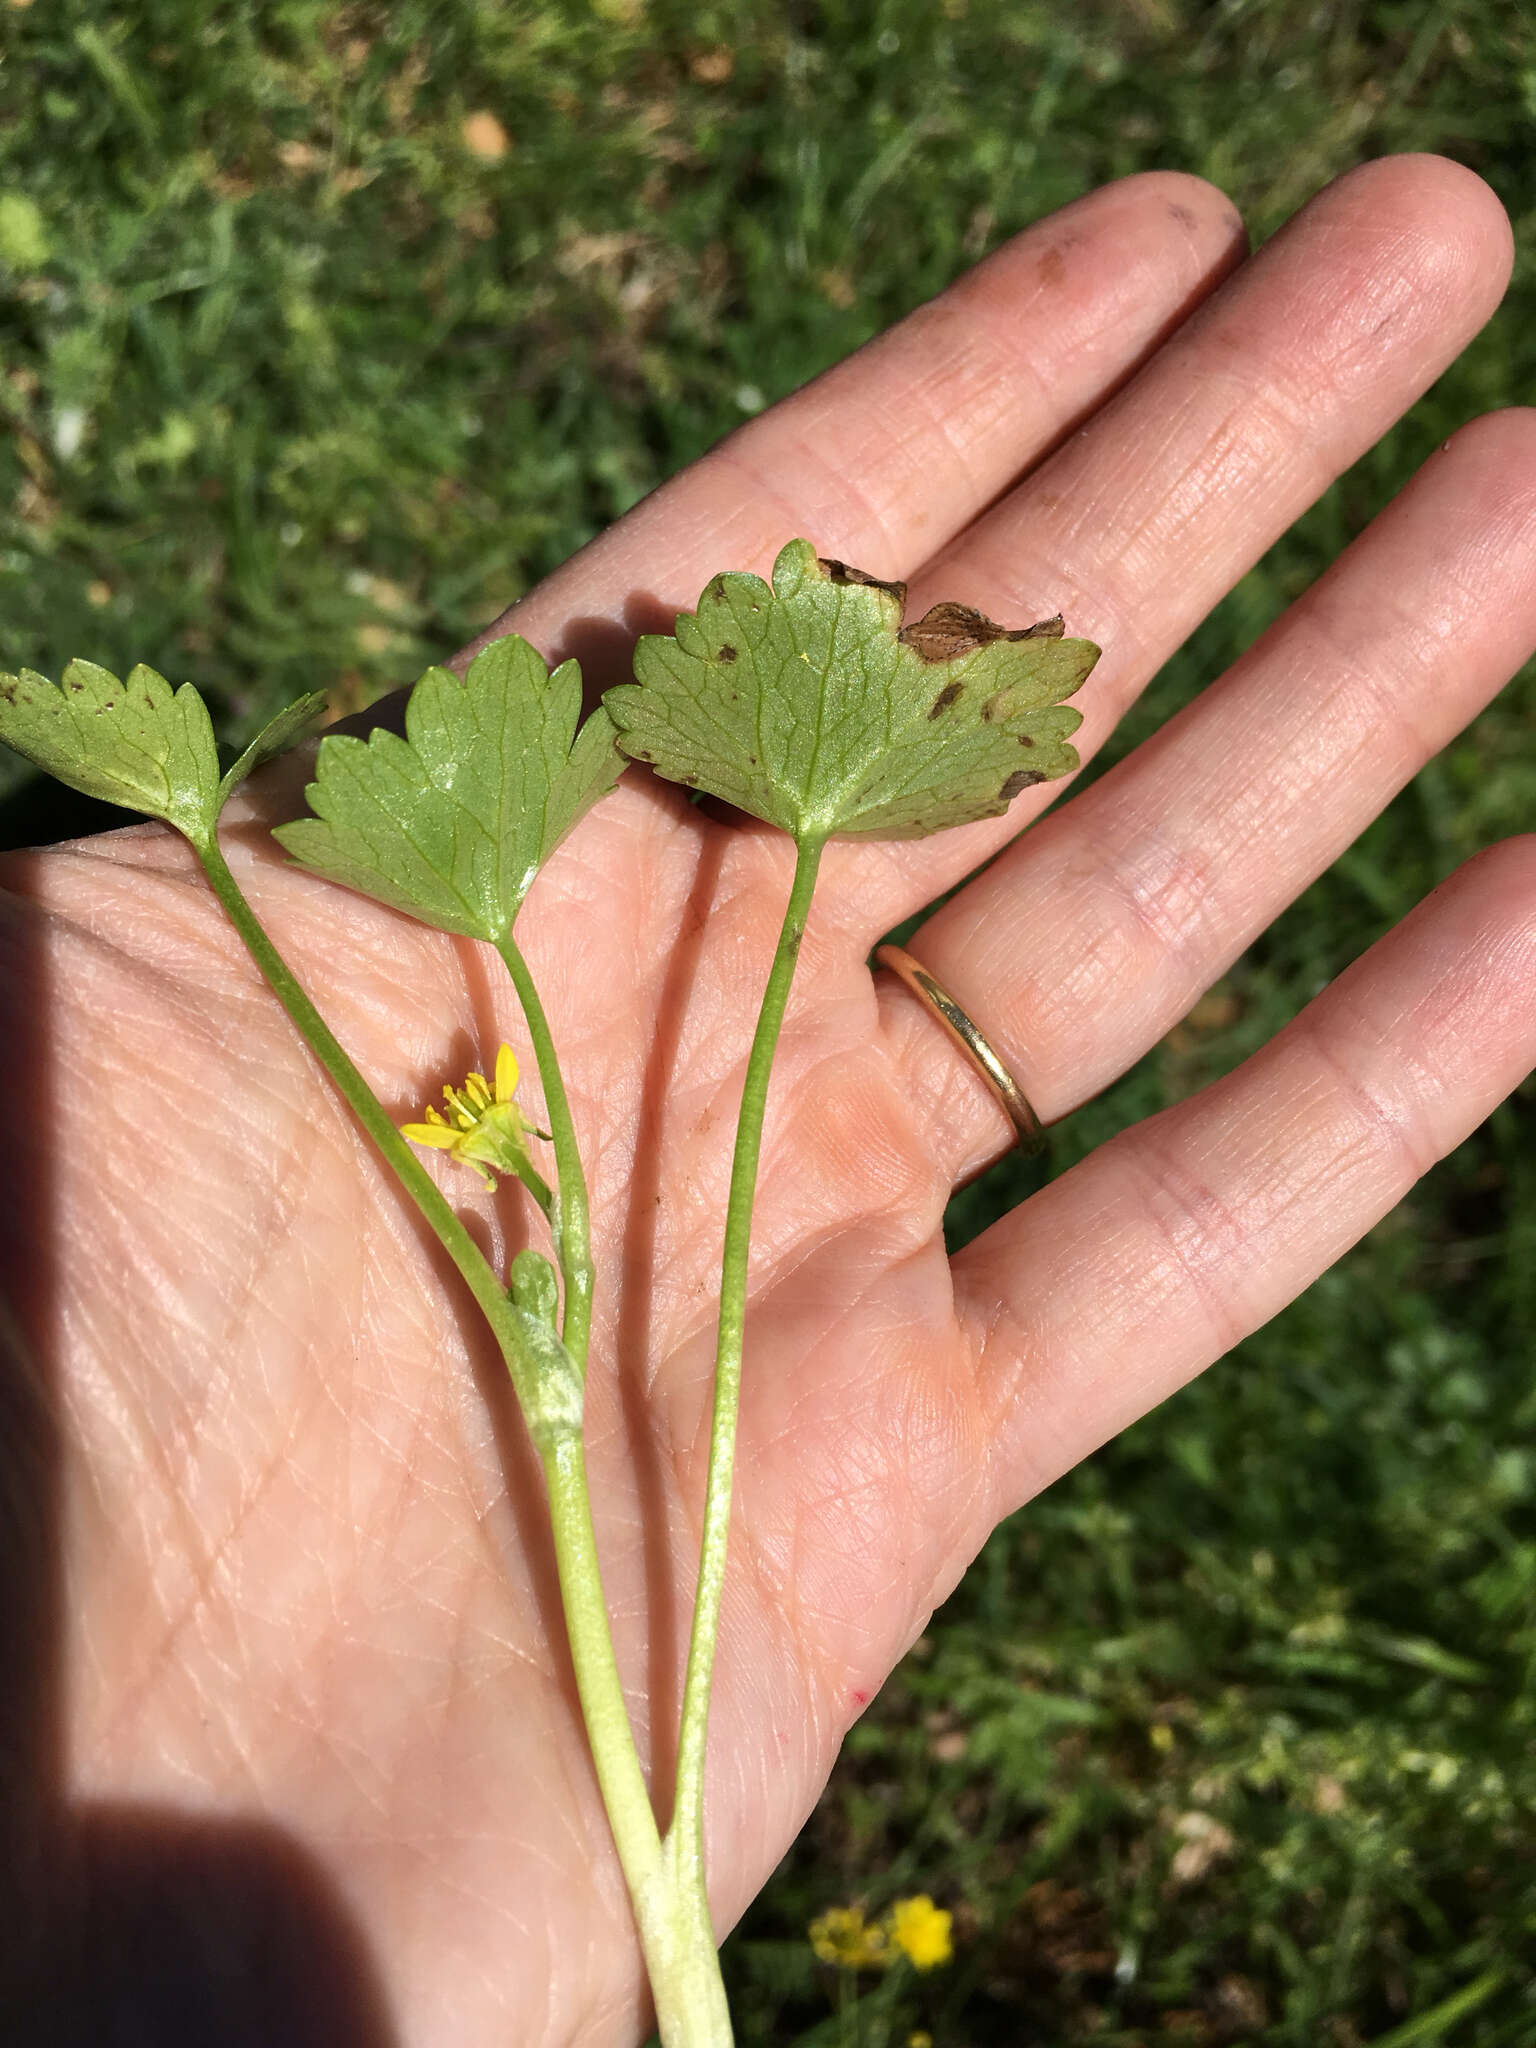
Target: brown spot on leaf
[(727, 652), (950, 631), (950, 694), (1025, 740), (840, 572), (1021, 778), (717, 590)]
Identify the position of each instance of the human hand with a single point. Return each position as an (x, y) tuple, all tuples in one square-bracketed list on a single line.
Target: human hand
[(304, 1579)]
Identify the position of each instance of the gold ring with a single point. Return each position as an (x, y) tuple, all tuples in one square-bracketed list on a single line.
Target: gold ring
[(933, 995)]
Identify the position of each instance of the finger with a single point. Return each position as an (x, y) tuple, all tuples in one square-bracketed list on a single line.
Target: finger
[(1175, 1240), (1146, 517), (881, 460), (1083, 944)]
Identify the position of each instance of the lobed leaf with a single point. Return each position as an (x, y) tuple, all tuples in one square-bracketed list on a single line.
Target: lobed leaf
[(135, 742), (275, 737), (809, 705), (452, 823)]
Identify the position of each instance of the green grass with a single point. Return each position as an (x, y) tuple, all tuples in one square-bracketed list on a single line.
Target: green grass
[(1229, 1738)]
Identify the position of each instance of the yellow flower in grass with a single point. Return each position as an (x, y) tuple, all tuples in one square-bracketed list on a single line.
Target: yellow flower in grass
[(484, 1127), (915, 1928), (843, 1936), (921, 1930)]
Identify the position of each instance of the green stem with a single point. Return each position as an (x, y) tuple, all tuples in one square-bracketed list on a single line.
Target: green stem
[(679, 1951), (558, 1441), (597, 1681), (1435, 2024), (685, 1839), (540, 1190), (369, 1111), (570, 1218), (849, 2030), (676, 1933), (680, 1956)]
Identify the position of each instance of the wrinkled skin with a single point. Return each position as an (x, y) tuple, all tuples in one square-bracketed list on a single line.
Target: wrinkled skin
[(287, 1630)]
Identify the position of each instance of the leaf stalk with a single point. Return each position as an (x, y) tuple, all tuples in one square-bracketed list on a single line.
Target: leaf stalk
[(685, 1839), (570, 1214), (684, 1976)]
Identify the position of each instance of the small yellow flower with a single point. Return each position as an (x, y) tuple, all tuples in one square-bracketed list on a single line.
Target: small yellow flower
[(843, 1936), (920, 2039), (484, 1127), (920, 1929)]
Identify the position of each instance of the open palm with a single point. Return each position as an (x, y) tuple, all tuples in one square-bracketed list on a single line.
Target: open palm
[(294, 1663)]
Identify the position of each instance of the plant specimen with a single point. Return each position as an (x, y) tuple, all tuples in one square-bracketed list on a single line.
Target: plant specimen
[(805, 702)]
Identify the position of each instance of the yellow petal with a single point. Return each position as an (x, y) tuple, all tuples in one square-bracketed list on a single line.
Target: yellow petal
[(437, 1134), (842, 1936), (922, 1931), (506, 1074)]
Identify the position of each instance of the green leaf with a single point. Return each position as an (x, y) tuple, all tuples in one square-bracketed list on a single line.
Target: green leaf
[(809, 705), (275, 737), (137, 743), (452, 823)]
